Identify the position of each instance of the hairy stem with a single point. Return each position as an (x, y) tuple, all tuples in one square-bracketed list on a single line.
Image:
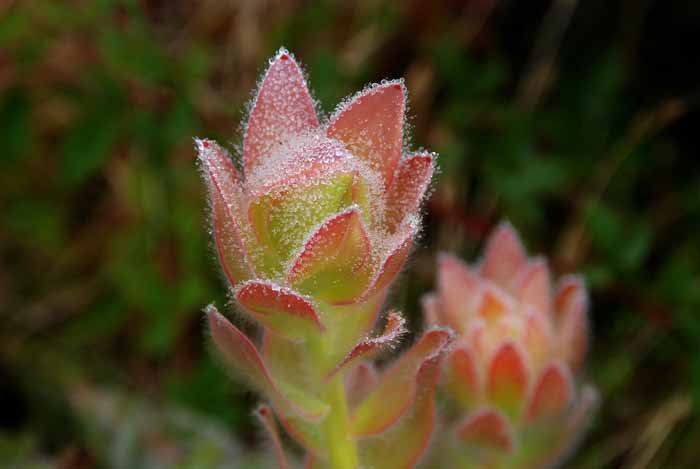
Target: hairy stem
[(342, 450)]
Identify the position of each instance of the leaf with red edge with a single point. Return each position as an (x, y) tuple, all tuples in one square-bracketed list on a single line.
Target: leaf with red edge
[(359, 381), (408, 188), (371, 127), (552, 394), (283, 311), (535, 288), (333, 265), (242, 358), (283, 108), (462, 377), (397, 386), (507, 379), (225, 196), (266, 418), (394, 259), (283, 217), (459, 290), (405, 442), (394, 329), (572, 328), (488, 429), (504, 256)]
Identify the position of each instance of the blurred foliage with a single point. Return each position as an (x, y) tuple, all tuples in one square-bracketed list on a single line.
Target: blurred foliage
[(576, 120)]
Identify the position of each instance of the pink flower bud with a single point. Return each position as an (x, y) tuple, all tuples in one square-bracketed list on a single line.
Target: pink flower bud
[(310, 234), (515, 368)]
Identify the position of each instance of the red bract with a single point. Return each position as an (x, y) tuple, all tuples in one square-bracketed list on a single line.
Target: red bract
[(310, 234), (514, 369)]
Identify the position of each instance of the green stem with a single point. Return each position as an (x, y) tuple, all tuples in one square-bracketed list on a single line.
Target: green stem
[(341, 445), (342, 450)]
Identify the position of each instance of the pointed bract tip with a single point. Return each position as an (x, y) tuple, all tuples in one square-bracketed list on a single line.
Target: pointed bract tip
[(211, 311), (446, 334), (262, 410), (445, 259), (506, 229), (283, 55), (203, 145)]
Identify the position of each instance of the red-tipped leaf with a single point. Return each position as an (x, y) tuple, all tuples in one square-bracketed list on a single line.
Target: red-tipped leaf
[(333, 264), (571, 305), (225, 196), (504, 256), (408, 188), (394, 329), (489, 429), (283, 107), (394, 259), (507, 378), (397, 386), (552, 394), (241, 357), (405, 442), (371, 127), (462, 377), (280, 309)]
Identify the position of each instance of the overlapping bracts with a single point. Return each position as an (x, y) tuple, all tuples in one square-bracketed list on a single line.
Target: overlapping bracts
[(515, 369), (310, 233)]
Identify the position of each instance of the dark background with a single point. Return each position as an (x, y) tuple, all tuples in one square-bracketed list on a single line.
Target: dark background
[(576, 120)]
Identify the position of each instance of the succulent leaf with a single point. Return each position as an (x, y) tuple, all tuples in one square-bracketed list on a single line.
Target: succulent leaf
[(552, 394), (394, 329), (489, 429), (504, 256), (225, 194), (371, 127), (334, 263), (282, 108), (408, 188), (239, 353), (507, 378), (397, 386), (282, 218), (403, 444), (399, 248), (280, 309), (463, 378), (572, 321)]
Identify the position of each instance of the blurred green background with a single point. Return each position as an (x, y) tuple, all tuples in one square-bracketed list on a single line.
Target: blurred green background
[(576, 120)]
